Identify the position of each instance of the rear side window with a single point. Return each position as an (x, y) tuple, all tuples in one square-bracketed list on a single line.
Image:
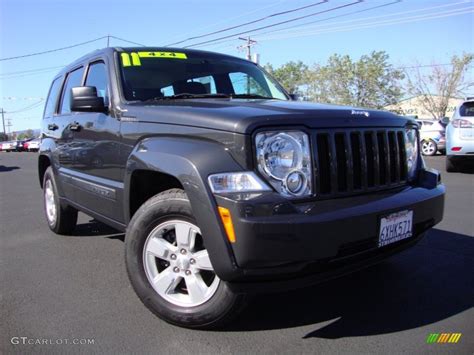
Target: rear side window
[(97, 76), (50, 107), (73, 79), (467, 109)]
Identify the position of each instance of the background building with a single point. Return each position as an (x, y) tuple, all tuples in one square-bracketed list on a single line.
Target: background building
[(413, 107)]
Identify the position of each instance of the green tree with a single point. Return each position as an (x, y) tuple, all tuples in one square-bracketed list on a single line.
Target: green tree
[(437, 85), (291, 75), (26, 135), (369, 82)]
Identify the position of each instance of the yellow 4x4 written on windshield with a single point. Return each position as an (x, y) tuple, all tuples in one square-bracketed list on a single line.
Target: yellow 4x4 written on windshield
[(133, 58)]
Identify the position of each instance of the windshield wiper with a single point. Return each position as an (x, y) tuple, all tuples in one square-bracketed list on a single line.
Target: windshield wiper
[(190, 96), (251, 96)]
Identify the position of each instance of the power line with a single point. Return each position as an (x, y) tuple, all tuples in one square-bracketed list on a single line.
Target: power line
[(31, 70), (249, 22), (425, 66), (53, 50), (276, 24), (27, 74), (358, 19), (127, 41), (331, 18), (29, 107), (322, 20), (227, 20), (71, 46), (372, 24)]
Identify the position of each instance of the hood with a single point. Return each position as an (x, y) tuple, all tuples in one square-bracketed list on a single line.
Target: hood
[(244, 116)]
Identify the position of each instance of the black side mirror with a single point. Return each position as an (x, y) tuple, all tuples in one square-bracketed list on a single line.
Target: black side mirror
[(85, 99), (294, 97)]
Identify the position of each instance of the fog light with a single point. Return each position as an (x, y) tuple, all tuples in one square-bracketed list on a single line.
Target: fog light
[(295, 181)]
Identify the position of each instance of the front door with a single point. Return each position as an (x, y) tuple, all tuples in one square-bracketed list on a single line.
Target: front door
[(97, 160)]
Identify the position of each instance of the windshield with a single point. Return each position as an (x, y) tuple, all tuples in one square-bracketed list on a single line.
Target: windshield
[(175, 75)]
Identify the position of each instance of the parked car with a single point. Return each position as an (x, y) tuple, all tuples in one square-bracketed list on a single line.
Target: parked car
[(432, 137), (223, 185), (460, 136), (8, 146), (32, 145)]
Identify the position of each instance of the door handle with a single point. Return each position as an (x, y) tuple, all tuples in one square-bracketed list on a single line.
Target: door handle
[(53, 126), (75, 126)]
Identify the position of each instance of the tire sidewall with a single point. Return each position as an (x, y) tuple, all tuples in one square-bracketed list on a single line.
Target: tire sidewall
[(143, 222), (48, 175)]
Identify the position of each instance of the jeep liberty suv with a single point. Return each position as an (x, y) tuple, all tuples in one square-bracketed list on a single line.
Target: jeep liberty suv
[(223, 185)]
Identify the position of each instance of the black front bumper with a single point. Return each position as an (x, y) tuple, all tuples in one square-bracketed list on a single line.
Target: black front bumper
[(277, 240)]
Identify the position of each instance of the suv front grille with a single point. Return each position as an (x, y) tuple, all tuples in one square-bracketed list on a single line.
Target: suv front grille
[(354, 161)]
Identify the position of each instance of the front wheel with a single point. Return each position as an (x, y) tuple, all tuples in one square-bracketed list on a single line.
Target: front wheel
[(169, 266), (429, 147)]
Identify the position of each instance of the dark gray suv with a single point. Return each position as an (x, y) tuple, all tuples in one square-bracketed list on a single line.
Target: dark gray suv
[(223, 185)]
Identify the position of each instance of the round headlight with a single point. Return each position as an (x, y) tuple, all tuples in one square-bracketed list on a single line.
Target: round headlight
[(281, 154), (284, 159)]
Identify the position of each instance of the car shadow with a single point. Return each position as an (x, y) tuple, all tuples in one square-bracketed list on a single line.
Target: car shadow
[(94, 228), (422, 285), (4, 168), (467, 169)]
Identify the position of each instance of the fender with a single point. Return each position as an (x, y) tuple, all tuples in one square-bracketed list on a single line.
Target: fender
[(46, 149), (180, 157)]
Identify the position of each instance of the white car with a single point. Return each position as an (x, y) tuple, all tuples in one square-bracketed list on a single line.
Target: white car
[(8, 146), (33, 145), (432, 137), (460, 136)]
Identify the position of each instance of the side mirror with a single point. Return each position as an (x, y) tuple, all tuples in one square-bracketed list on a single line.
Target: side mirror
[(294, 97), (445, 120), (85, 99)]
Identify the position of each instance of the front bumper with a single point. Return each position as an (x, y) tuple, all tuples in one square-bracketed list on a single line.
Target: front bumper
[(279, 240)]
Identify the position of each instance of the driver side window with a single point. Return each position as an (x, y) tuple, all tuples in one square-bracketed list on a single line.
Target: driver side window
[(97, 76)]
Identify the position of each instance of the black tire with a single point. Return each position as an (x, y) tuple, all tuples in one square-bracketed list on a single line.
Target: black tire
[(450, 166), (66, 216), (173, 205)]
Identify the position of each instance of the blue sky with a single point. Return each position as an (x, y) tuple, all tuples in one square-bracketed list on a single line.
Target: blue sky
[(423, 31)]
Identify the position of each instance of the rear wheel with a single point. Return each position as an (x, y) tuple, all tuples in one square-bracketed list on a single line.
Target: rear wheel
[(451, 167), (429, 147), (169, 266), (61, 219)]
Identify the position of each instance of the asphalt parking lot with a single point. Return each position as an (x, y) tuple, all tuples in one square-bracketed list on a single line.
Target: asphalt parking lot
[(59, 289)]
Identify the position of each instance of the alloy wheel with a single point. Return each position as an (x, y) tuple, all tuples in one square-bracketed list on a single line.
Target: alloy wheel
[(177, 265)]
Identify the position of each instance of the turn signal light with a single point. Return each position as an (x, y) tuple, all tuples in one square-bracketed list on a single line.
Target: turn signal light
[(227, 222)]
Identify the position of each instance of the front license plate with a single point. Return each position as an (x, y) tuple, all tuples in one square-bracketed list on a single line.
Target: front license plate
[(395, 227)]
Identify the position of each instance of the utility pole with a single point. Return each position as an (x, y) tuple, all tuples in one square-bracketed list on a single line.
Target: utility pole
[(9, 124), (3, 121), (248, 45), (108, 40)]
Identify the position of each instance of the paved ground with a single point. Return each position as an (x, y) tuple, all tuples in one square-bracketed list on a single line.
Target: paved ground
[(66, 288)]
